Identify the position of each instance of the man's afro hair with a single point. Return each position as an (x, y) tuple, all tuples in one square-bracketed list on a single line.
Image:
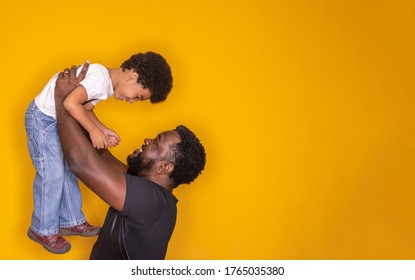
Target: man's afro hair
[(190, 157)]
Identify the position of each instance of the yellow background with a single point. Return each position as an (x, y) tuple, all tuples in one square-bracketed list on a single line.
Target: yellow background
[(306, 110)]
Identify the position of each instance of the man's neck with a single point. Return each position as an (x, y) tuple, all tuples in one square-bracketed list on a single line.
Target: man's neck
[(165, 183)]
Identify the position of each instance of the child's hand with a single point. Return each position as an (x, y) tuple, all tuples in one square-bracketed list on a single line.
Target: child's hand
[(112, 142), (112, 138), (98, 139)]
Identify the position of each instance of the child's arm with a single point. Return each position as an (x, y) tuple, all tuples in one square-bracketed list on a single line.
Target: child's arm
[(112, 137), (74, 105), (89, 107)]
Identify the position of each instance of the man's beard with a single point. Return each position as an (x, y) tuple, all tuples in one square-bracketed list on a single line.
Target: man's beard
[(136, 166)]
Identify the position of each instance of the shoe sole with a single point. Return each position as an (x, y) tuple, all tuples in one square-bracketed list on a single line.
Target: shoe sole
[(49, 249), (65, 232)]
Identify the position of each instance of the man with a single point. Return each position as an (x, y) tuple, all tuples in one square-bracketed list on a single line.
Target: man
[(142, 213)]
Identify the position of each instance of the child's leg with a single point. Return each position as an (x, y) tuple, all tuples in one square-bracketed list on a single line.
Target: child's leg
[(71, 203), (47, 157)]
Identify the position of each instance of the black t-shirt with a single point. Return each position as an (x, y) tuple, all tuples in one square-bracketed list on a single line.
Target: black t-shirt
[(143, 228)]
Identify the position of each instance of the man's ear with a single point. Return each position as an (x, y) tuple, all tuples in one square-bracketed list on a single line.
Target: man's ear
[(165, 167)]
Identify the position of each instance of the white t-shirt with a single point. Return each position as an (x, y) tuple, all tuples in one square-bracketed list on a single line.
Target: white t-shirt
[(97, 84)]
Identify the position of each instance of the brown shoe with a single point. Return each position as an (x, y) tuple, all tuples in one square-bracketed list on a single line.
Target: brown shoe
[(53, 243), (84, 229)]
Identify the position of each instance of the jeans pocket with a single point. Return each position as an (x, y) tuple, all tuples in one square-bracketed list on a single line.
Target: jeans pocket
[(35, 154), (29, 126), (50, 134)]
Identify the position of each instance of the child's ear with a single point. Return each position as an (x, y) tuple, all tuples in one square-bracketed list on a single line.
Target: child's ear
[(134, 75)]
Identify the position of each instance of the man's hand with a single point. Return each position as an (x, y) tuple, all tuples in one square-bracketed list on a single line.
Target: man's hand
[(67, 81)]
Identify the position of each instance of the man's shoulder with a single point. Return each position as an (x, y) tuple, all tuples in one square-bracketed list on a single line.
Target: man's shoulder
[(137, 182), (145, 194), (137, 179), (141, 184)]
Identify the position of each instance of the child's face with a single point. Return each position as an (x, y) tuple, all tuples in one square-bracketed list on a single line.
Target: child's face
[(129, 90)]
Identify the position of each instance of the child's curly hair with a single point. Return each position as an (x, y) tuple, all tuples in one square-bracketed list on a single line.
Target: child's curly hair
[(153, 73)]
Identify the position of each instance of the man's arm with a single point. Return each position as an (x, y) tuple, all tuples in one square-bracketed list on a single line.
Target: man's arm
[(96, 173), (106, 155)]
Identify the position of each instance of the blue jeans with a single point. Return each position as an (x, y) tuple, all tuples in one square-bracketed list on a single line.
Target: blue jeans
[(56, 194)]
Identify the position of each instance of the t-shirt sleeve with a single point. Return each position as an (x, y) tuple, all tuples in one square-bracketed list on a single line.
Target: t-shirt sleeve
[(97, 85)]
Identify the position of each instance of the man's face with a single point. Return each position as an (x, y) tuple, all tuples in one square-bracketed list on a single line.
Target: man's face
[(152, 151), (138, 165)]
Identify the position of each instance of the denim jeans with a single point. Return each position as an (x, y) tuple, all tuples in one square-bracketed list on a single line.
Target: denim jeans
[(56, 195)]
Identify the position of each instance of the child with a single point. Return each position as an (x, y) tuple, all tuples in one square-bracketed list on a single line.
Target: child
[(57, 198)]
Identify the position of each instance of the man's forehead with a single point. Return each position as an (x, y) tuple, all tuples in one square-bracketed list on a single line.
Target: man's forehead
[(171, 135)]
